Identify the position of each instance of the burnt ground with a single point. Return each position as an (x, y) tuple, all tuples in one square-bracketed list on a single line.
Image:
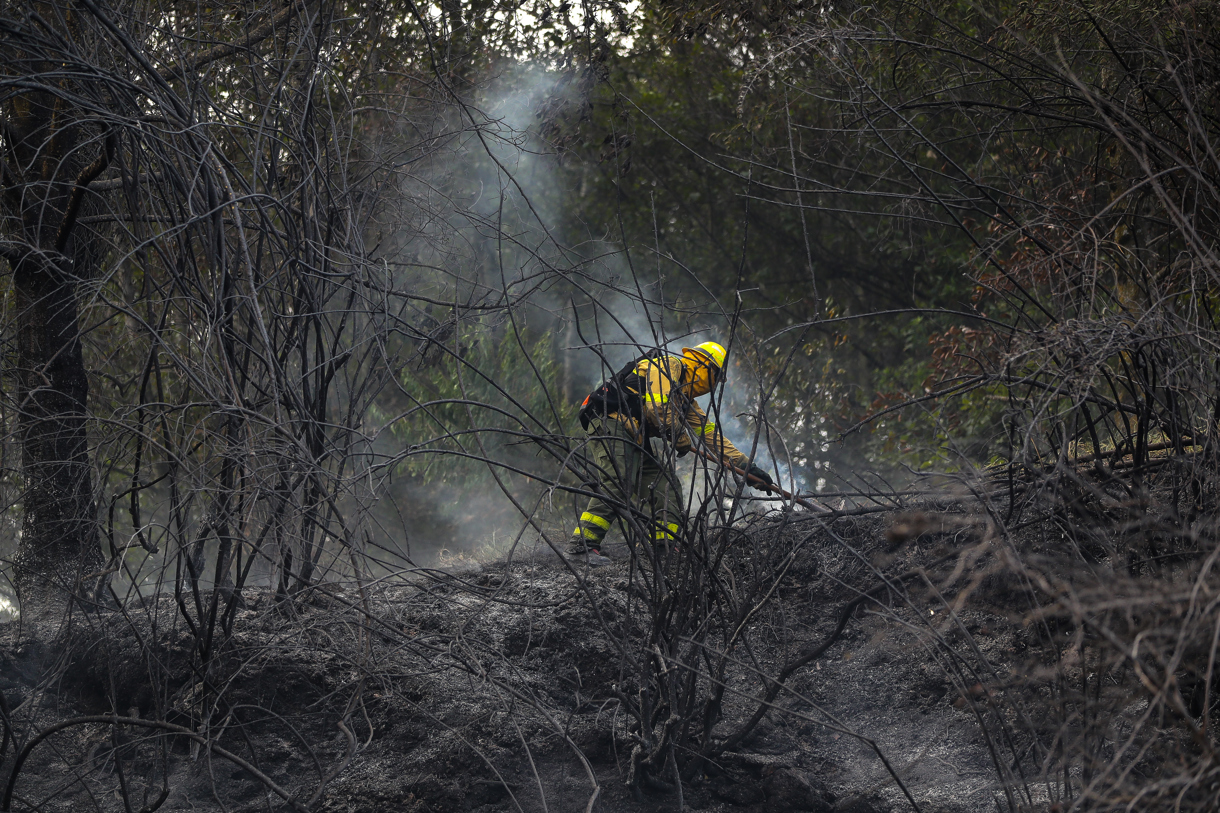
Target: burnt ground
[(491, 688)]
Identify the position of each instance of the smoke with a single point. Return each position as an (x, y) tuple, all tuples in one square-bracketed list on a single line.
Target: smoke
[(9, 611), (480, 226), (488, 225)]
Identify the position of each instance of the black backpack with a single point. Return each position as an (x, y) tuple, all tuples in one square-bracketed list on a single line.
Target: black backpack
[(620, 394)]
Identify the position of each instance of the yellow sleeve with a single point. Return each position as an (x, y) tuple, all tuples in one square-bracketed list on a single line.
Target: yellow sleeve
[(705, 429)]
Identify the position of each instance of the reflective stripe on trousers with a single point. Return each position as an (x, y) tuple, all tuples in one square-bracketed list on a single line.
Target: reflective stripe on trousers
[(591, 527), (629, 475)]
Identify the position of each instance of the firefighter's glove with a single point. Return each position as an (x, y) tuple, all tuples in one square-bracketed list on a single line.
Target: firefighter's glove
[(766, 484)]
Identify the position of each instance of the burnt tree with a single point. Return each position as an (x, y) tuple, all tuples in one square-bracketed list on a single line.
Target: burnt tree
[(51, 151)]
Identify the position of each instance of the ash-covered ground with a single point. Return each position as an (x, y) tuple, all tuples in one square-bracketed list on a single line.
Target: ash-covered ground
[(492, 687)]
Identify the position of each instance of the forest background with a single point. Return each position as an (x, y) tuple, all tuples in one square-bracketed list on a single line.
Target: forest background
[(300, 299), (365, 260)]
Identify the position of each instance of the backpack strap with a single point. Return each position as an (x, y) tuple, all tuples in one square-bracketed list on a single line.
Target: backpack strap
[(620, 394)]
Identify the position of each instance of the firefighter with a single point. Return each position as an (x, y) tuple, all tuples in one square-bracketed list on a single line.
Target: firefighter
[(646, 406)]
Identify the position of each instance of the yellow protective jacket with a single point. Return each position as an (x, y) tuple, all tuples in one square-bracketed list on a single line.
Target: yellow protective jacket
[(671, 385)]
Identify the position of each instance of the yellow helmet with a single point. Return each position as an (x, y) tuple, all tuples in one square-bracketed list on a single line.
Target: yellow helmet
[(713, 351)]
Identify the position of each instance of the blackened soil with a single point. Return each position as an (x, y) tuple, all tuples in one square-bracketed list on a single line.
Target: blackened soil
[(492, 688)]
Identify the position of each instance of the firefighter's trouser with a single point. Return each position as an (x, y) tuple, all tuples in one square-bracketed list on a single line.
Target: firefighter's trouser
[(637, 487)]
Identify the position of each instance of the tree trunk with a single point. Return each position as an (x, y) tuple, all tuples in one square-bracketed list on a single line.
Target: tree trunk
[(45, 181), (59, 533)]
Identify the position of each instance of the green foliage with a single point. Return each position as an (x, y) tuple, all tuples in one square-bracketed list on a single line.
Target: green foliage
[(686, 154), (490, 393), (1000, 159)]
